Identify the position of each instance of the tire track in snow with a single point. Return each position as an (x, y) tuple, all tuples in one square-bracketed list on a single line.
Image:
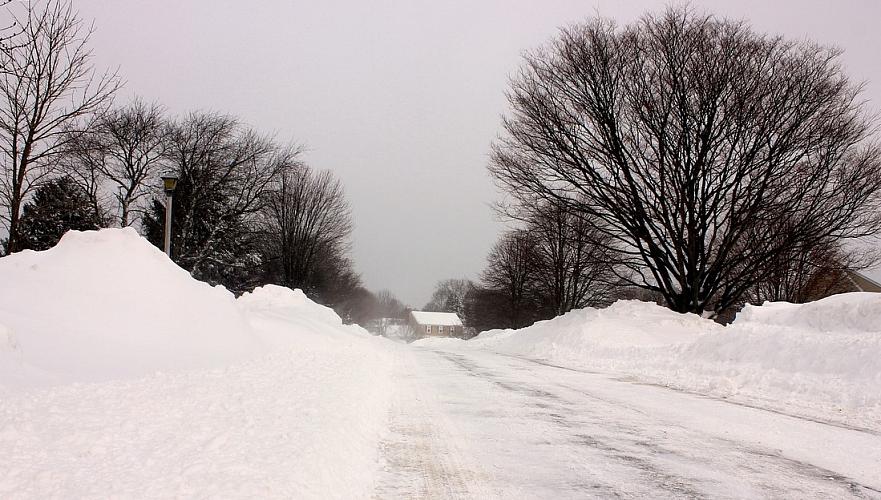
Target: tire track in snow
[(620, 433), (674, 486), (795, 466), (416, 462), (631, 380)]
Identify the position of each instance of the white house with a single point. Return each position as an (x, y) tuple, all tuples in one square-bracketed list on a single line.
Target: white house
[(435, 324)]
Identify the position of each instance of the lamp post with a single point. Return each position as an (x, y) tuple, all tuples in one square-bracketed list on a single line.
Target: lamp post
[(169, 182)]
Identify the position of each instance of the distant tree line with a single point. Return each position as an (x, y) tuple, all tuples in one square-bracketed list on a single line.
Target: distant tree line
[(247, 211)]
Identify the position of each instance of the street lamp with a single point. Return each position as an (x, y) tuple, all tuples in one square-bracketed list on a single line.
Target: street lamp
[(169, 182)]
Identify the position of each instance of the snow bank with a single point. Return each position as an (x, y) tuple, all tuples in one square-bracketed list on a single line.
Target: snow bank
[(858, 312), (825, 355), (107, 304), (289, 303), (121, 376), (624, 324), (822, 359), (626, 336)]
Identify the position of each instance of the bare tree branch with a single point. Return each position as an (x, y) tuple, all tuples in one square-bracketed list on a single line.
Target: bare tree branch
[(696, 143), (48, 84)]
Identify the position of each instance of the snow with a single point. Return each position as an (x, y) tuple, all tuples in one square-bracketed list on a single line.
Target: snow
[(821, 359), (858, 312), (398, 333), (469, 423), (287, 303), (121, 376), (436, 318), (106, 304)]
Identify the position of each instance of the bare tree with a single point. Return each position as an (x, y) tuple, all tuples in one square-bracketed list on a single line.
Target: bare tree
[(694, 141), (510, 271), (381, 313), (559, 261), (84, 174), (804, 276), (226, 174), (122, 150), (307, 224), (389, 306), (47, 85), (449, 296), (574, 259)]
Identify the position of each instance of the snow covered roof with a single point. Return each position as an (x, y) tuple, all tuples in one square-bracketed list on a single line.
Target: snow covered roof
[(874, 274), (436, 318), (864, 283)]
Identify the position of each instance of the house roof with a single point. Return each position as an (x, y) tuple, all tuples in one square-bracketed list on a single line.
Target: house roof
[(436, 318), (864, 283)]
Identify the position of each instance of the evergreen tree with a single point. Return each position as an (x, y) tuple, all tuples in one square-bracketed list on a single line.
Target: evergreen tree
[(224, 248), (226, 171), (57, 207)]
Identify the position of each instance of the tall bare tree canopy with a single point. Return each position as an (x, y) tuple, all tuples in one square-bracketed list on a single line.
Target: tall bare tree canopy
[(47, 84), (510, 271), (226, 171), (307, 225), (705, 149), (123, 151), (574, 262)]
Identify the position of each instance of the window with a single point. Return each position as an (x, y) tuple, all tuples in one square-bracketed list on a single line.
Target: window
[(440, 329), (428, 329)]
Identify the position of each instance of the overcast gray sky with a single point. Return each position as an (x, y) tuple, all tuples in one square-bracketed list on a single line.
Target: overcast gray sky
[(400, 99)]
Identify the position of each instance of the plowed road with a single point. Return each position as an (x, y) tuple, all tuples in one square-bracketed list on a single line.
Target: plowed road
[(472, 424)]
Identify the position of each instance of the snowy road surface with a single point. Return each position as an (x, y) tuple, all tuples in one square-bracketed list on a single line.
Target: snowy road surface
[(270, 395), (474, 424)]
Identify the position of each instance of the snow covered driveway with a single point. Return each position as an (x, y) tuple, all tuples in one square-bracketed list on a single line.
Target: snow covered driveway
[(474, 424)]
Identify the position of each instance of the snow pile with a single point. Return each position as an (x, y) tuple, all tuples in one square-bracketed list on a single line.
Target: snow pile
[(825, 353), (822, 359), (121, 376), (858, 312), (625, 337), (107, 304), (398, 332), (284, 302)]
